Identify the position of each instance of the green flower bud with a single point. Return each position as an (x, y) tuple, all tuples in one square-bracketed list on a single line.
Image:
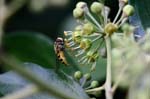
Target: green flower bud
[(116, 53), (127, 28), (110, 28), (78, 75), (77, 35), (94, 84), (92, 56), (78, 13), (88, 28), (85, 43), (87, 76), (96, 7), (81, 4), (128, 10), (78, 28)]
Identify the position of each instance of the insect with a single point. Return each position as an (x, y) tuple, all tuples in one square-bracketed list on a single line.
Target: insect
[(59, 50)]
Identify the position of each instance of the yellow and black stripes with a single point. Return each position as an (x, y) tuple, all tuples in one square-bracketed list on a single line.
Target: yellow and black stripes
[(59, 50)]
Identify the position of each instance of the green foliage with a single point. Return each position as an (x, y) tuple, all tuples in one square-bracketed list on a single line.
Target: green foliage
[(11, 82), (36, 48), (131, 59), (142, 9)]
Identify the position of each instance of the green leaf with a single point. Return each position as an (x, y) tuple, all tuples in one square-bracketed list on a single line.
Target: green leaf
[(142, 9), (30, 47), (36, 48), (141, 16), (11, 82), (100, 70)]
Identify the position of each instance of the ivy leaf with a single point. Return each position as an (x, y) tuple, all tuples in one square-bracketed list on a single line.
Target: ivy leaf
[(34, 47), (11, 82), (139, 19), (142, 9), (30, 47)]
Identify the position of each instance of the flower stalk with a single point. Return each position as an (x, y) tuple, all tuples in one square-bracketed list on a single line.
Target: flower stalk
[(108, 92)]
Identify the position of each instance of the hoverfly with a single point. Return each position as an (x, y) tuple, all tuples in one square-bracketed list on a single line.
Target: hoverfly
[(59, 48)]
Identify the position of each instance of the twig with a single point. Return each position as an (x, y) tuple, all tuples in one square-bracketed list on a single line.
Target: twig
[(108, 92), (23, 93)]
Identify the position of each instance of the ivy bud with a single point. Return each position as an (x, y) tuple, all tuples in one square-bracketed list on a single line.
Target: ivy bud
[(92, 56), (77, 35), (87, 76), (78, 28), (128, 10), (85, 43), (81, 4), (78, 75), (78, 13), (116, 53), (94, 84), (88, 28), (127, 28), (96, 7), (110, 28)]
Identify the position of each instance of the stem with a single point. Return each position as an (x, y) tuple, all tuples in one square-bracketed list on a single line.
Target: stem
[(106, 11), (123, 21), (99, 37), (95, 21), (101, 18), (95, 89), (12, 63), (121, 18), (108, 92), (23, 93), (118, 13)]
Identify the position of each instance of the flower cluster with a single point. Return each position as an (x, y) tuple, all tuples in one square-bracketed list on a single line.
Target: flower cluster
[(84, 79), (94, 26)]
